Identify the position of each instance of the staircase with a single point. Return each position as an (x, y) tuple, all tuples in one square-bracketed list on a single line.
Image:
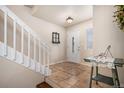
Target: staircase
[(33, 54)]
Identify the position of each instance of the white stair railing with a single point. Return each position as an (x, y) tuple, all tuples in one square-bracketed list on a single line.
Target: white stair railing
[(11, 53)]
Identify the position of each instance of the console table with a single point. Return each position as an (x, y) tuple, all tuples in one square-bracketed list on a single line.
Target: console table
[(114, 80)]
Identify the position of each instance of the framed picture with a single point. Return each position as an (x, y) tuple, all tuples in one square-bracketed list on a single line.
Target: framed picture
[(55, 38)]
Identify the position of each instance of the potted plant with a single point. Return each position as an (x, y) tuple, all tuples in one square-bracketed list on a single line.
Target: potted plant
[(119, 16)]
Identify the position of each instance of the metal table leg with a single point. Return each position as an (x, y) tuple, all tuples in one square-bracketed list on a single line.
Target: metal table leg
[(90, 85), (96, 73), (115, 77)]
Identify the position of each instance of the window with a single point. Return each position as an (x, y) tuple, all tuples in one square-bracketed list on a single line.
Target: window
[(89, 33)]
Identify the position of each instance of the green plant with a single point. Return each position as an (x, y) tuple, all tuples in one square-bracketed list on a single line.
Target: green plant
[(119, 16)]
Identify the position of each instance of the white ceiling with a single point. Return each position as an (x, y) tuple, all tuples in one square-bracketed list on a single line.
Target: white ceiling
[(58, 13)]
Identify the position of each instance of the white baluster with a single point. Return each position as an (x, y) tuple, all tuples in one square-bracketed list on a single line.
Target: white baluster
[(22, 44), (44, 55), (14, 38), (40, 54), (48, 57), (35, 52), (5, 34), (29, 41), (44, 59), (48, 61)]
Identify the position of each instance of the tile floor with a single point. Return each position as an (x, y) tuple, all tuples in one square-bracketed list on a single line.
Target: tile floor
[(72, 75)]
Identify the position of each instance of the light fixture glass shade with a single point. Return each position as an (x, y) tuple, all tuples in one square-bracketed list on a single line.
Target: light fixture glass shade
[(69, 20)]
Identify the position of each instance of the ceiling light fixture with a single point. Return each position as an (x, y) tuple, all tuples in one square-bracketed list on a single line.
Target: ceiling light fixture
[(69, 20)]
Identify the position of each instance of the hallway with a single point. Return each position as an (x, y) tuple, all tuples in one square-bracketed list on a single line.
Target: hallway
[(37, 45)]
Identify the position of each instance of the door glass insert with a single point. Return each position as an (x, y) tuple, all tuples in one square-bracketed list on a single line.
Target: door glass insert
[(72, 44)]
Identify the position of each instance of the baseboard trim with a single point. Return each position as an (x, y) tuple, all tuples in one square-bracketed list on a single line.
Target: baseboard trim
[(61, 61), (122, 85)]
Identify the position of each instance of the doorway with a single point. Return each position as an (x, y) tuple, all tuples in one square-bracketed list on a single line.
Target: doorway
[(73, 46)]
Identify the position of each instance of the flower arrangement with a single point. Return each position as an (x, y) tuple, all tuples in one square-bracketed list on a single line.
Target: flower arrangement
[(119, 16)]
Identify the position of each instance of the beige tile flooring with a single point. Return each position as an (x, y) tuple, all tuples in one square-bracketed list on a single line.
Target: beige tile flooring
[(71, 75)]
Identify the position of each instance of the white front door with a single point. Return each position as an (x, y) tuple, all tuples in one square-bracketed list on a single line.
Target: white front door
[(73, 46)]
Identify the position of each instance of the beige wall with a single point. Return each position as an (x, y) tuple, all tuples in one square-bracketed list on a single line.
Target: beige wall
[(82, 27), (44, 29), (15, 75), (107, 33)]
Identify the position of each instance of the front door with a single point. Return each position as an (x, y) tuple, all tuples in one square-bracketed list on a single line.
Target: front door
[(73, 46)]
